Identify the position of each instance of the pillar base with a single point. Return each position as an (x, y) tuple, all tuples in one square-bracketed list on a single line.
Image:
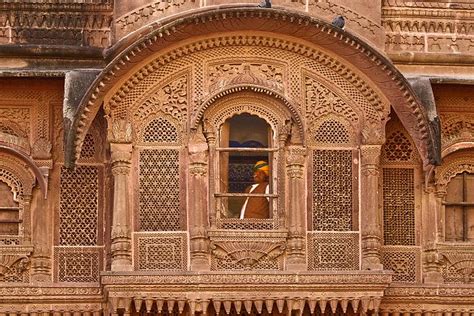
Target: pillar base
[(121, 265)]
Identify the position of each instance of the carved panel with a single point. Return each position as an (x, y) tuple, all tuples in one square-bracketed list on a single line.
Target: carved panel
[(16, 121), (15, 263), (247, 251), (220, 74), (333, 251), (458, 264), (428, 26), (79, 206), (399, 206), (160, 251), (170, 98), (405, 262), (456, 128), (321, 101), (149, 12), (246, 255), (332, 189), (78, 264), (159, 198), (68, 23)]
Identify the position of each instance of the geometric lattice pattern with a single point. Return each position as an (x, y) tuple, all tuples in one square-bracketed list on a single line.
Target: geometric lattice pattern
[(332, 190), (78, 264), (78, 206), (333, 251), (397, 148), (159, 190), (160, 130), (88, 147), (403, 261), (332, 132), (160, 251), (398, 206)]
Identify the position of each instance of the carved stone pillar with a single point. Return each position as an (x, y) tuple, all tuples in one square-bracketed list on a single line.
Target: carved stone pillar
[(41, 230), (433, 232), (27, 219), (371, 224), (210, 135), (121, 219), (198, 204), (296, 208)]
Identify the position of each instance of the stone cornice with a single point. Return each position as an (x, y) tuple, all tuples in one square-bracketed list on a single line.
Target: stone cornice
[(368, 60)]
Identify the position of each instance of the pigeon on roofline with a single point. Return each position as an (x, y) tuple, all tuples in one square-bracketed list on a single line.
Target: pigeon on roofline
[(339, 22), (265, 4)]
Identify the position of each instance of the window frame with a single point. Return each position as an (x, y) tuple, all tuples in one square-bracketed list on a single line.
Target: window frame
[(273, 152)]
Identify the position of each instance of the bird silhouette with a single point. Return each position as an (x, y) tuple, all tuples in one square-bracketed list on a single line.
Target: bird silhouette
[(339, 22), (265, 4)]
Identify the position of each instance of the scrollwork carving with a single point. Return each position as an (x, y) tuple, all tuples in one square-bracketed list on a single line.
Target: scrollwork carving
[(171, 99), (121, 131), (42, 149), (321, 101), (247, 253)]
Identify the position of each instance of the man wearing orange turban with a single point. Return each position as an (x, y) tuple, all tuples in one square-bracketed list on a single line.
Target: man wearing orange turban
[(257, 207)]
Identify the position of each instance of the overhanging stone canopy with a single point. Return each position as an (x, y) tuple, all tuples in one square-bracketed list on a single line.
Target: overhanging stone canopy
[(156, 37)]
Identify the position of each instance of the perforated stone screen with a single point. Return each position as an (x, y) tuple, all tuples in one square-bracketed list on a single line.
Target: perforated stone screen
[(78, 264), (160, 130), (403, 261), (332, 190), (160, 251), (399, 206), (397, 148), (79, 206), (332, 132), (333, 251), (159, 190)]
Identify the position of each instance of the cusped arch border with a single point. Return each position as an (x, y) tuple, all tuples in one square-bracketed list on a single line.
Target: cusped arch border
[(31, 164), (230, 90), (208, 21), (454, 168)]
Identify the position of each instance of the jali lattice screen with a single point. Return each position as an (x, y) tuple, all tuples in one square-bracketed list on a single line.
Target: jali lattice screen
[(399, 206), (159, 190), (332, 190), (79, 206), (160, 251), (333, 251)]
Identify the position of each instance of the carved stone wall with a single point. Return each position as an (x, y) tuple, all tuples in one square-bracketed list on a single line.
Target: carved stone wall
[(67, 23), (428, 28)]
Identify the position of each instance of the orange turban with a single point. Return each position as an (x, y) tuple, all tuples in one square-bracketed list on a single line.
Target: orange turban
[(262, 166)]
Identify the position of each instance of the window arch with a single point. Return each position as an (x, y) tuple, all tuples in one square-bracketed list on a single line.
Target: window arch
[(257, 124), (16, 185), (455, 180)]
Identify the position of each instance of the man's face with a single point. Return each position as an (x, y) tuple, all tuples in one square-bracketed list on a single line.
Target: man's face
[(259, 176)]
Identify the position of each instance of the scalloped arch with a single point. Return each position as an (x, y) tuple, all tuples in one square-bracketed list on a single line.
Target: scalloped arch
[(291, 107), (355, 52)]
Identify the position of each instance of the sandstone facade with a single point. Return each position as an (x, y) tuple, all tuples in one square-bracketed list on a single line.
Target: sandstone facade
[(128, 130)]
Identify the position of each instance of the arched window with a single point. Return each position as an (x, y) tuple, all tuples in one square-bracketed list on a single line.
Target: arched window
[(245, 152), (9, 212), (459, 210)]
